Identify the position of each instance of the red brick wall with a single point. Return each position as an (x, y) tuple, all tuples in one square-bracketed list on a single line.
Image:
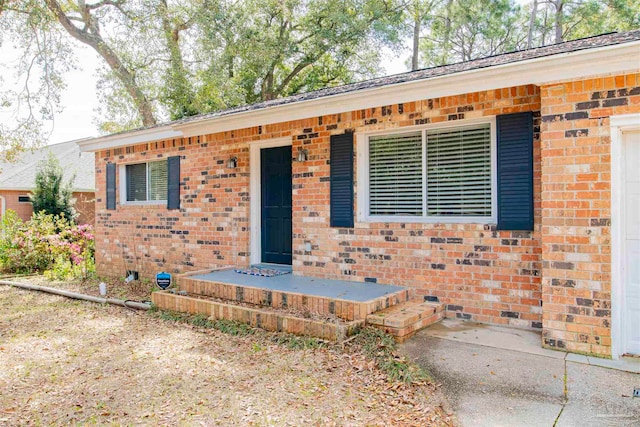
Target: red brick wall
[(482, 274), (576, 209), (24, 210), (84, 205)]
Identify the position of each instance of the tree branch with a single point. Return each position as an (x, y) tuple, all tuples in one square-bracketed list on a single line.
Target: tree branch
[(90, 36)]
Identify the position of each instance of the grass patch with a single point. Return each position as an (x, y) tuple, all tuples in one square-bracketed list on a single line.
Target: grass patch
[(295, 342), (235, 328), (381, 348), (230, 327)]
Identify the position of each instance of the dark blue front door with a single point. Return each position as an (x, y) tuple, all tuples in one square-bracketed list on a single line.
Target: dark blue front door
[(276, 204)]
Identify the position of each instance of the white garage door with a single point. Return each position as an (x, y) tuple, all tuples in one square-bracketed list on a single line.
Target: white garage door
[(631, 242)]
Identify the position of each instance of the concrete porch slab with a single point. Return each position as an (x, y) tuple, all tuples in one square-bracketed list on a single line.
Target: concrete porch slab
[(312, 286), (343, 299), (492, 336)]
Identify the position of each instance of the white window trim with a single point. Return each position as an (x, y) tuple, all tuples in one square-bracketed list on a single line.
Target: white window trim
[(123, 185), (363, 175), (24, 195)]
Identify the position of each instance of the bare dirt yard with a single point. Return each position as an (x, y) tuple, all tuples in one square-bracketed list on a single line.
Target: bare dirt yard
[(69, 362)]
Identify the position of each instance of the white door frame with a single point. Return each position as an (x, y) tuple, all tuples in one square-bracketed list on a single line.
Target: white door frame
[(619, 124), (255, 191)]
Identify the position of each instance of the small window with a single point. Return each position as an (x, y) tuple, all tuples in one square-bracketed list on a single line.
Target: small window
[(24, 199), (146, 182)]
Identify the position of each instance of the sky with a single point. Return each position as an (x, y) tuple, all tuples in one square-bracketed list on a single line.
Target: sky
[(80, 100)]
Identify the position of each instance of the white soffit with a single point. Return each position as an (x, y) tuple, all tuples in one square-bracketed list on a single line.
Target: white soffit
[(561, 67)]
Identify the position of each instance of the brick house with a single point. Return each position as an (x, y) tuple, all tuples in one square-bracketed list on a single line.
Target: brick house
[(17, 180), (503, 186)]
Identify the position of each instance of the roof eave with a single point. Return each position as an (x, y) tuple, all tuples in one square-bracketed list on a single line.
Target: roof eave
[(73, 190), (560, 67), (130, 138)]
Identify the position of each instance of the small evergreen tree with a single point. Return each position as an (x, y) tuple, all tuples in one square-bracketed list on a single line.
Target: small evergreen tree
[(51, 194)]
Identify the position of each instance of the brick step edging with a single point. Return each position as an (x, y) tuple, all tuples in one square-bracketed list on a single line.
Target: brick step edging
[(256, 317)]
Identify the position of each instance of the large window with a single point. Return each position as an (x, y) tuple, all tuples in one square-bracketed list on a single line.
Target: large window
[(146, 182), (434, 174)]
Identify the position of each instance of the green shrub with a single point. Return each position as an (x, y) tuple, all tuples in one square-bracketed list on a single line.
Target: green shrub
[(47, 243), (9, 228), (26, 245), (51, 195)]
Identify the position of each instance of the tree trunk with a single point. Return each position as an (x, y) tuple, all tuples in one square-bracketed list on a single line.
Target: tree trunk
[(545, 28), (532, 21), (180, 94), (559, 20), (91, 37), (416, 41), (267, 86), (230, 72), (447, 34)]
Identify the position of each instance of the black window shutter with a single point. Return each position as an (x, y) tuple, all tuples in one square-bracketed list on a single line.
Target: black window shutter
[(515, 171), (111, 186), (341, 180), (173, 182)]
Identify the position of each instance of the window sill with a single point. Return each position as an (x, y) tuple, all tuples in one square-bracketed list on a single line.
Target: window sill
[(432, 220), (146, 203)]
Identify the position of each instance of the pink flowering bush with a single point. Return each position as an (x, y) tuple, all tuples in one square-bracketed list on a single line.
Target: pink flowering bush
[(49, 244), (74, 249)]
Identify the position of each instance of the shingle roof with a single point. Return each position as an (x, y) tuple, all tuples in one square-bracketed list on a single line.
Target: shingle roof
[(21, 174), (427, 73)]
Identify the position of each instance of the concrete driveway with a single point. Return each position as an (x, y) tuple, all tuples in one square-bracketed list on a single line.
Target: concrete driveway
[(496, 376)]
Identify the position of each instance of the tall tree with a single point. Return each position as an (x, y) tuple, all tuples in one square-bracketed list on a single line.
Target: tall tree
[(420, 13), (282, 47), (167, 59), (467, 29), (532, 21), (82, 22), (462, 30), (38, 57), (571, 19)]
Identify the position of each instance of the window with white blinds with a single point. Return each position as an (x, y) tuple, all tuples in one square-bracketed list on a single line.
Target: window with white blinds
[(137, 182), (147, 181), (432, 174), (395, 174), (157, 180), (459, 171)]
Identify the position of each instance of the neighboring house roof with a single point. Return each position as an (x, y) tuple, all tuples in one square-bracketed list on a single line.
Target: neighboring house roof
[(21, 174), (598, 55)]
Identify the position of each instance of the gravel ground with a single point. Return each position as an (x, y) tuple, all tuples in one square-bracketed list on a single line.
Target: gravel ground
[(69, 362)]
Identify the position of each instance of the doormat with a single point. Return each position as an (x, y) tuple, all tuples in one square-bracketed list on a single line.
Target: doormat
[(262, 271)]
